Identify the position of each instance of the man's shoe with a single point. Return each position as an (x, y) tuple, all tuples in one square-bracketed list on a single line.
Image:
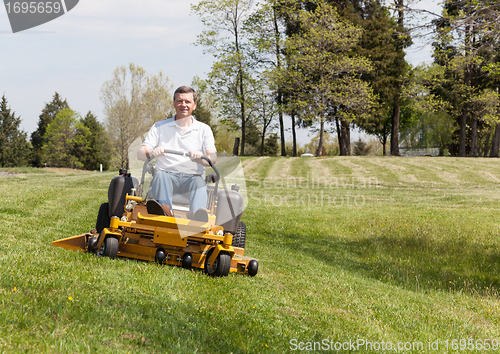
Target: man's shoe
[(200, 215), (155, 208)]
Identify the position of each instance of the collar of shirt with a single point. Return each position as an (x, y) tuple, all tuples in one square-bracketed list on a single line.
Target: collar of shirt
[(194, 124)]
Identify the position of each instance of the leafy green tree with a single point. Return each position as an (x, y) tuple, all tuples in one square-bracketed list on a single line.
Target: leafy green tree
[(264, 109), (14, 147), (378, 43), (267, 33), (400, 72), (465, 47), (91, 144), (271, 145), (326, 71), (60, 135), (225, 38), (38, 136), (361, 148)]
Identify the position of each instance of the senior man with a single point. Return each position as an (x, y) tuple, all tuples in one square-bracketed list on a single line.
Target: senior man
[(175, 173)]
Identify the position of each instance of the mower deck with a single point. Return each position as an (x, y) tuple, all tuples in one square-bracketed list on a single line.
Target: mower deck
[(175, 236)]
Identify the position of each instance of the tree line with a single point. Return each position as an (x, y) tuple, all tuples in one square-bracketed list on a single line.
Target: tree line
[(133, 101), (62, 139), (331, 65)]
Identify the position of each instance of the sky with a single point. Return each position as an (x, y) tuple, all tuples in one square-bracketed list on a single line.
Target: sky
[(77, 52)]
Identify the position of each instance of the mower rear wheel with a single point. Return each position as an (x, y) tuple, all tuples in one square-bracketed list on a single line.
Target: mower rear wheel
[(240, 236), (110, 245), (103, 219), (221, 265)]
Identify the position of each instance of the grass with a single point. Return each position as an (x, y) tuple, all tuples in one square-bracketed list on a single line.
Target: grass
[(400, 250)]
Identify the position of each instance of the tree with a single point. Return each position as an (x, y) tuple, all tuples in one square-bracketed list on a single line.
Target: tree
[(60, 135), (271, 145), (14, 147), (133, 102), (378, 43), (267, 32), (361, 148), (325, 75), (264, 109), (400, 72), (229, 74), (91, 144), (38, 136), (207, 108)]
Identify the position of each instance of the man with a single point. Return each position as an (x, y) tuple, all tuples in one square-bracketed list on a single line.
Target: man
[(175, 173)]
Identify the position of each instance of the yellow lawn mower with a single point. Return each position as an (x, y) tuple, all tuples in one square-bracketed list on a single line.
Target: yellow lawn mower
[(124, 228)]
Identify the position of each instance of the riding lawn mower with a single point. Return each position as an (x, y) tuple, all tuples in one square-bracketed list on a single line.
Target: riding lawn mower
[(124, 228)]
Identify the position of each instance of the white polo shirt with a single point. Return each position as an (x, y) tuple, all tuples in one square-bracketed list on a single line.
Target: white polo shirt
[(169, 135)]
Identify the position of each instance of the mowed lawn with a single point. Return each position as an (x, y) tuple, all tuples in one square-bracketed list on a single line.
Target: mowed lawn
[(356, 254)]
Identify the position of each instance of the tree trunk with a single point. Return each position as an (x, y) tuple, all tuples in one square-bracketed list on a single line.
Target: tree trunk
[(383, 141), (346, 134), (320, 143), (294, 136), (262, 142), (441, 147), (396, 111), (236, 146), (463, 134), (280, 94), (282, 130), (496, 141), (340, 138), (473, 138), (243, 120)]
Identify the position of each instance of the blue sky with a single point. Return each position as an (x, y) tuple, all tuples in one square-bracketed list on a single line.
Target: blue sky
[(74, 54)]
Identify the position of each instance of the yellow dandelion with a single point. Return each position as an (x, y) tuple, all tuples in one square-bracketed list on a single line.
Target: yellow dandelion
[(15, 288), (70, 298)]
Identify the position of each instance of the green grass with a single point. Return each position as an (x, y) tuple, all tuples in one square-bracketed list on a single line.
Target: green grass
[(376, 249)]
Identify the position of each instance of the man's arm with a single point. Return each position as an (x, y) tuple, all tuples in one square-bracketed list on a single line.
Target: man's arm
[(143, 153)]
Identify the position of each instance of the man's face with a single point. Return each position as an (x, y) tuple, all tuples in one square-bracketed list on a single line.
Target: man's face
[(184, 105)]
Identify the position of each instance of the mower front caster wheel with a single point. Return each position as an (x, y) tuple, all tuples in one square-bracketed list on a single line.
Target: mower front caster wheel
[(253, 267), (91, 244), (110, 245), (221, 265)]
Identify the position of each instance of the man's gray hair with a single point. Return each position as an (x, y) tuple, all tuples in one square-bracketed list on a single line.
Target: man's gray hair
[(187, 89)]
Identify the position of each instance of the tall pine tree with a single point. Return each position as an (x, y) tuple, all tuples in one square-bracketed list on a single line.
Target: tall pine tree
[(38, 136), (14, 147)]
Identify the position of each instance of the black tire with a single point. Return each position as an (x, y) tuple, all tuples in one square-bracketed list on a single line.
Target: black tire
[(110, 246), (103, 219), (187, 260), (91, 244), (239, 238), (221, 266), (253, 267)]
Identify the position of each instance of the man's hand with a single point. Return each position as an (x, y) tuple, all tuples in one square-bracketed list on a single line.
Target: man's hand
[(195, 155), (158, 151)]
